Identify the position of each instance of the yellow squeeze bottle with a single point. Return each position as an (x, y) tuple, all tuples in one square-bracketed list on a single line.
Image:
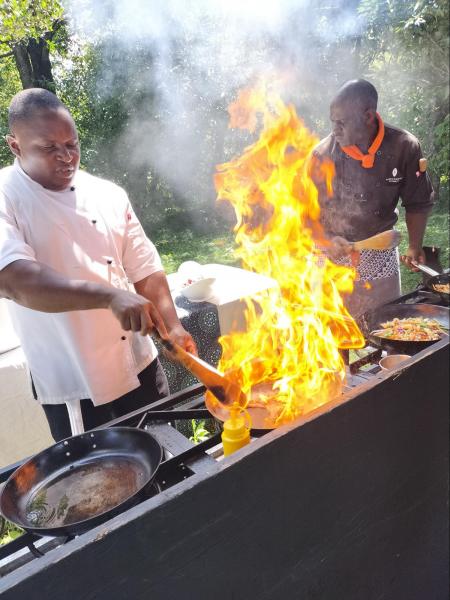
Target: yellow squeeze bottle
[(236, 432)]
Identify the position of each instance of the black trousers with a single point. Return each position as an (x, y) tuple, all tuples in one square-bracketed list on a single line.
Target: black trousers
[(153, 386)]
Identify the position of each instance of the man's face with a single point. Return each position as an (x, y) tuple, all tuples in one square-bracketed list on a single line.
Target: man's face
[(47, 147), (349, 123)]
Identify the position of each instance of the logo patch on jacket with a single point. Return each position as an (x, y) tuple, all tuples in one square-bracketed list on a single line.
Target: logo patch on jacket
[(396, 177)]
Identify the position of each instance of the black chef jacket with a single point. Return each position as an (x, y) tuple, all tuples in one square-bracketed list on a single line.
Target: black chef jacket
[(364, 201)]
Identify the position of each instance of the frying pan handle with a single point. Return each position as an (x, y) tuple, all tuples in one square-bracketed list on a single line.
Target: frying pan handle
[(424, 268), (75, 417)]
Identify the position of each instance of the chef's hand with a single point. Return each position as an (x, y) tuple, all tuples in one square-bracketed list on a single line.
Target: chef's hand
[(413, 254), (136, 313), (179, 335), (339, 247)]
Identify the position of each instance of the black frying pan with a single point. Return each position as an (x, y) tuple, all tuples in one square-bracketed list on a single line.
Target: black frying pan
[(81, 481), (442, 278), (433, 278), (372, 321)]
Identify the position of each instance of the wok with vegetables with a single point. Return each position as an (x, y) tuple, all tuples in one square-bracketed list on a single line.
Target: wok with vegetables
[(405, 328), (412, 329)]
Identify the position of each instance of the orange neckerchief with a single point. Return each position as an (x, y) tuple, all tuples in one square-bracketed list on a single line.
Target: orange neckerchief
[(368, 159)]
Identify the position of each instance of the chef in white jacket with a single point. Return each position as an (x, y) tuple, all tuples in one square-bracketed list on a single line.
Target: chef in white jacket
[(87, 284)]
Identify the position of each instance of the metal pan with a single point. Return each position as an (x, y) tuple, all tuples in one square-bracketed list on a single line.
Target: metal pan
[(260, 417), (372, 320), (442, 278), (434, 278), (81, 481)]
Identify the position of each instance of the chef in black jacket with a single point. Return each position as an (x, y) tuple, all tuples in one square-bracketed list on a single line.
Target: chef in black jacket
[(375, 165)]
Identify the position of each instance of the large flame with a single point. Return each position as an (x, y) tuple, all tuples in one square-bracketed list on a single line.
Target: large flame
[(294, 331)]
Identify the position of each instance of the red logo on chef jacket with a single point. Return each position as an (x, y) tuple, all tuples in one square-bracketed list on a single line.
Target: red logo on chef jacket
[(128, 216)]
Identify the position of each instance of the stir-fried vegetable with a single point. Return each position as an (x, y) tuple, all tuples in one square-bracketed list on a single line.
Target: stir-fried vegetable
[(443, 288), (413, 329)]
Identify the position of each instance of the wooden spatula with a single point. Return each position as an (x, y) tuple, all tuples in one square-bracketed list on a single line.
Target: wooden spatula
[(382, 241), (223, 388)]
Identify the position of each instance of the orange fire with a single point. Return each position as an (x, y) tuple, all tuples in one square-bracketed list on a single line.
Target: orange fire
[(290, 348)]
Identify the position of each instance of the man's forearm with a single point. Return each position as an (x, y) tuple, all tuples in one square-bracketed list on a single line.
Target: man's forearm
[(156, 289), (39, 287), (416, 224)]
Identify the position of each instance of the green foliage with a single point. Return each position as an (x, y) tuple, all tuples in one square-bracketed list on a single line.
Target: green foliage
[(199, 432), (401, 46), (406, 54), (105, 102), (29, 32), (9, 85), (436, 235), (100, 118), (21, 20), (440, 160), (8, 531)]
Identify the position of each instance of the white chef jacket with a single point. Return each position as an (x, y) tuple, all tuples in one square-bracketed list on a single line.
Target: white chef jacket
[(88, 232)]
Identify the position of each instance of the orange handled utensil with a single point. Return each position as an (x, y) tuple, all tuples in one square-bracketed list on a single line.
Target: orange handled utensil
[(225, 390)]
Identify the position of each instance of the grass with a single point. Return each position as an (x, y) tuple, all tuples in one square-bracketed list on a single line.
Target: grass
[(436, 234), (178, 247)]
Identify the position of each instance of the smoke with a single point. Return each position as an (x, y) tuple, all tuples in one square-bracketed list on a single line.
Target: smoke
[(201, 53)]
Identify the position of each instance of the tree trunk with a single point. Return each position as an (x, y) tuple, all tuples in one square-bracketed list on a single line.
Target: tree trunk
[(23, 65), (41, 65), (33, 63)]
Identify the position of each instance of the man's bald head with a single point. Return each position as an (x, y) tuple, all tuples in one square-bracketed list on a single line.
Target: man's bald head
[(357, 92), (27, 103), (44, 138), (353, 113)]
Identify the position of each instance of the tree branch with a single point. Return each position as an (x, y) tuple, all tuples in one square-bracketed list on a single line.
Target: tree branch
[(10, 53), (55, 27), (433, 41)]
